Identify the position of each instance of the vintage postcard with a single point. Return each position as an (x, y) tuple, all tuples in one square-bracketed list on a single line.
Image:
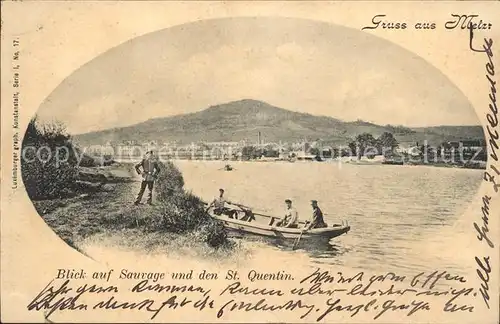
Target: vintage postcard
[(250, 162)]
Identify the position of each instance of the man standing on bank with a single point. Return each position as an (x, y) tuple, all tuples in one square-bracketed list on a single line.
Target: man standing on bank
[(150, 170)]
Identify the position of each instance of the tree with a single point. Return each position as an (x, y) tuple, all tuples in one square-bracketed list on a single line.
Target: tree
[(399, 129), (250, 152), (314, 151), (362, 143), (49, 166), (352, 148), (270, 151), (386, 143)]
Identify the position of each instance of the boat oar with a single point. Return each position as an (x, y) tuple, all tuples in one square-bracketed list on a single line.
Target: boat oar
[(304, 229), (242, 206), (298, 240), (209, 205), (250, 208)]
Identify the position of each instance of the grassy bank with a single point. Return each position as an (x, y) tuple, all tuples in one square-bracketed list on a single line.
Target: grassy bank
[(176, 219), (180, 211), (79, 202)]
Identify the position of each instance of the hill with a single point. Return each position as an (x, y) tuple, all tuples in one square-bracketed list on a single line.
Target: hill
[(243, 119)]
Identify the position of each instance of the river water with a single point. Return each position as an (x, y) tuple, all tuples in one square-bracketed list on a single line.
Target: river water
[(408, 218)]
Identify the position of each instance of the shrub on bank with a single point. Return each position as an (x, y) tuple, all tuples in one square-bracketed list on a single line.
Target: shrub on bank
[(184, 212), (49, 164), (213, 233), (169, 180)]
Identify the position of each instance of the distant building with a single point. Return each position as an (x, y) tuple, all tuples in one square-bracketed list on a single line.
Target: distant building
[(223, 144), (414, 151), (469, 144)]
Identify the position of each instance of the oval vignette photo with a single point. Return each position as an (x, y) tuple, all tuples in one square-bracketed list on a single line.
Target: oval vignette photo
[(221, 139)]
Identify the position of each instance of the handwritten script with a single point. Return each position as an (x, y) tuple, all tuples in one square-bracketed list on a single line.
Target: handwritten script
[(316, 296), (492, 177)]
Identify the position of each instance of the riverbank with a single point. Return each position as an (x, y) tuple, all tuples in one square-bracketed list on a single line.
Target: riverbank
[(104, 207)]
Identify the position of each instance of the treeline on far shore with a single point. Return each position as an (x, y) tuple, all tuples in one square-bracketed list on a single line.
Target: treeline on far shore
[(466, 152)]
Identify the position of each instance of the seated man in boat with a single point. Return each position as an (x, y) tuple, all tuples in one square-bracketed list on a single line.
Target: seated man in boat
[(317, 217), (248, 217), (291, 216), (219, 204)]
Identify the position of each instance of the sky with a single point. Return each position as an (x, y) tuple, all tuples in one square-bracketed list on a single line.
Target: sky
[(296, 64)]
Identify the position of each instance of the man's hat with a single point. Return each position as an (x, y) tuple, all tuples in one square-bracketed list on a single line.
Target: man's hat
[(288, 201), (314, 201), (221, 189)]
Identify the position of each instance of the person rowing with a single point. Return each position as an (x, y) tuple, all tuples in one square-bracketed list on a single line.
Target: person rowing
[(317, 217), (291, 217), (219, 204)]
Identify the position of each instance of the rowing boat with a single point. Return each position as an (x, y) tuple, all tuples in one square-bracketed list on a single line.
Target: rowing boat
[(244, 221)]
